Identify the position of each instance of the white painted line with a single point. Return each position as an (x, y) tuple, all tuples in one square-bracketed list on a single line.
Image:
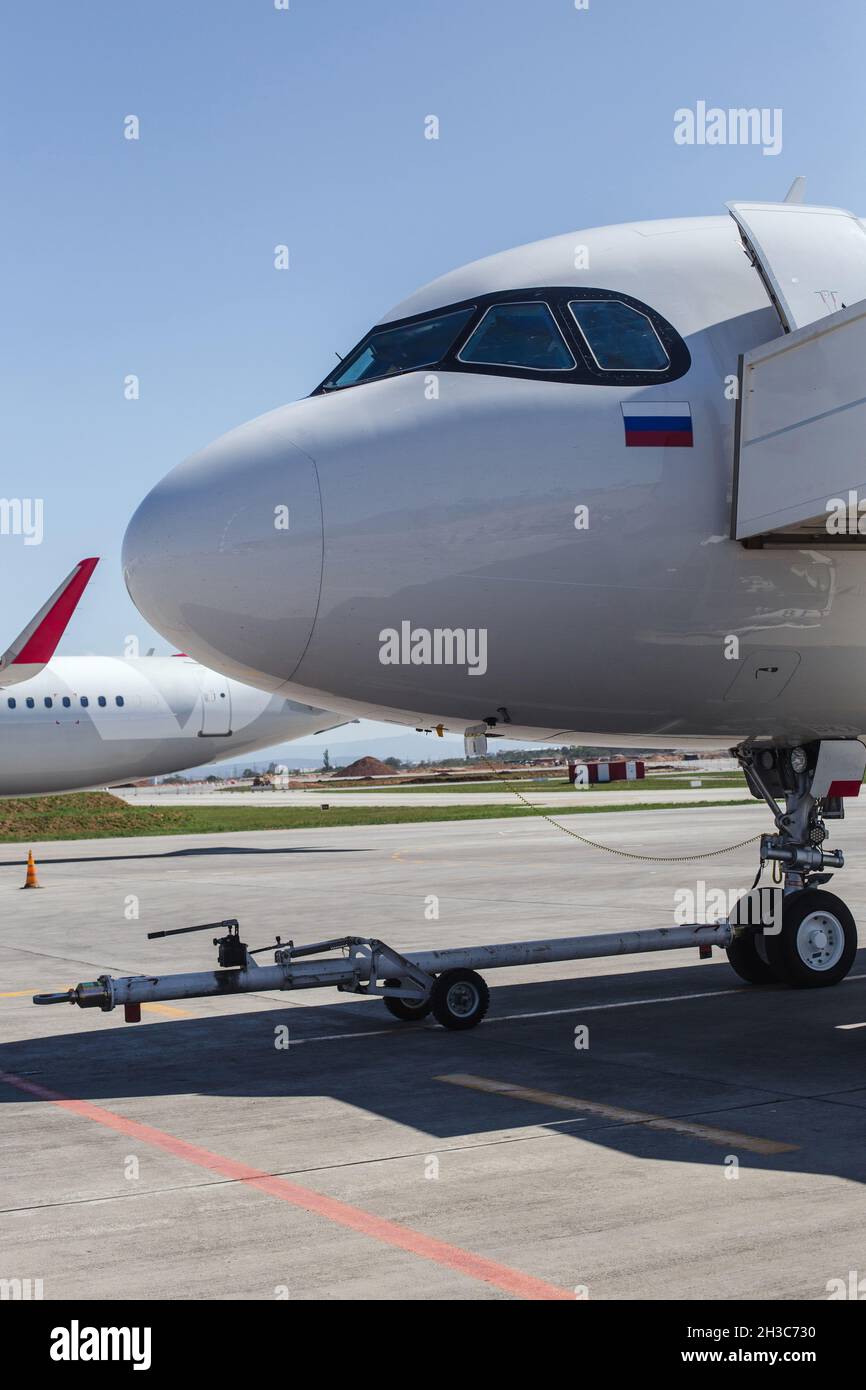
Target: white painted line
[(575, 1009), (620, 1004), (635, 1003), (544, 1013), (336, 1037)]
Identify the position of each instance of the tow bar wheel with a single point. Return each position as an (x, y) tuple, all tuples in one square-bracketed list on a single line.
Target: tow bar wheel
[(405, 1009), (459, 999), (817, 943)]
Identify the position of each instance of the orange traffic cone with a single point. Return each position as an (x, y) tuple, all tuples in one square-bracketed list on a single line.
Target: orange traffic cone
[(31, 881)]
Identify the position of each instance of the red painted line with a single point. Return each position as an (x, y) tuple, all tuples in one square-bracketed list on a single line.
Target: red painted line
[(376, 1227)]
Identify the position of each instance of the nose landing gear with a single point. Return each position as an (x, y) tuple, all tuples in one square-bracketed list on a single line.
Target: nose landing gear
[(812, 941)]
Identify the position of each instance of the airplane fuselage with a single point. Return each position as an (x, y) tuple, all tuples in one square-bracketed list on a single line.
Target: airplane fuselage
[(532, 506), (91, 721)]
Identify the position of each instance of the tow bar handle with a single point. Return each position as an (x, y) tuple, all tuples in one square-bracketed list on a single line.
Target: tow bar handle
[(227, 925)]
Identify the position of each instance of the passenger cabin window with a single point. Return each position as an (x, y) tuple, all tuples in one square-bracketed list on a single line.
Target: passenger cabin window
[(84, 702), (391, 351), (118, 700), (101, 701), (48, 702), (11, 702), (518, 335), (619, 337), (66, 702), (30, 702)]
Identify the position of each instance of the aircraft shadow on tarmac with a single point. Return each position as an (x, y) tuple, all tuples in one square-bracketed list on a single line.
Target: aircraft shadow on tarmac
[(767, 1062), (193, 852)]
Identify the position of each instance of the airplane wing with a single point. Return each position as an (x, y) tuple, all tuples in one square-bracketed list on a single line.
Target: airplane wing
[(34, 647)]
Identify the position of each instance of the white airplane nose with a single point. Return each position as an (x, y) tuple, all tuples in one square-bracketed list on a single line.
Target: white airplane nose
[(224, 556)]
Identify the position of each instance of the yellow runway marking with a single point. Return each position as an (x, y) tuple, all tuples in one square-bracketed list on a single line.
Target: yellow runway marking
[(729, 1138), (19, 993), (154, 1008), (400, 856)]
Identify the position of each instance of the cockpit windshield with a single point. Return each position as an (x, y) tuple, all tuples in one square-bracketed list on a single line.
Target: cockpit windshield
[(389, 351)]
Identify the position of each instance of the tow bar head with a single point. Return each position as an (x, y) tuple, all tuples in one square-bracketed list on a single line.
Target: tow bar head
[(91, 994)]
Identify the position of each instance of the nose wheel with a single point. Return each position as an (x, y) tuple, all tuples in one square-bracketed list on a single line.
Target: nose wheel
[(747, 955), (817, 943)]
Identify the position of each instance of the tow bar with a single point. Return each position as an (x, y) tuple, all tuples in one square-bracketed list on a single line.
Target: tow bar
[(444, 983)]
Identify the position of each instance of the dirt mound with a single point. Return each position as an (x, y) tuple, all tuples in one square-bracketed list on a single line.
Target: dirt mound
[(366, 767)]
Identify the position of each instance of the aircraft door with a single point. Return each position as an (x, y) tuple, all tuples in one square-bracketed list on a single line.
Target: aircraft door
[(811, 259), (216, 707)]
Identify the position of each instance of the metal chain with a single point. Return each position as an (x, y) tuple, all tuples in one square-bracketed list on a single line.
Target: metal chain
[(623, 853)]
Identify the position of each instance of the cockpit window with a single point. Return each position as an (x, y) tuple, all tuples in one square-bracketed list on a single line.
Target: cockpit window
[(518, 335), (575, 335), (619, 337), (390, 351)]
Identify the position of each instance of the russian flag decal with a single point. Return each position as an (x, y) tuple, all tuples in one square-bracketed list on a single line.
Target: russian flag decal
[(658, 425)]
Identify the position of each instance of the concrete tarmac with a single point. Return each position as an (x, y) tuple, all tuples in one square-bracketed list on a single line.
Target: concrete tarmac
[(702, 1139)]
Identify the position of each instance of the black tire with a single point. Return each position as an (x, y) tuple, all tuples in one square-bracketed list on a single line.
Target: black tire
[(818, 941), (404, 1009), (745, 959), (459, 999)]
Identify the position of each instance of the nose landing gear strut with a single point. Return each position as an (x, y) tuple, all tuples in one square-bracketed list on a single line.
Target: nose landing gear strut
[(812, 940)]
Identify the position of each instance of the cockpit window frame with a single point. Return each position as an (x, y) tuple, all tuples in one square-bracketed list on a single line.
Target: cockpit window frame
[(533, 371), (586, 371), (383, 329), (651, 371)]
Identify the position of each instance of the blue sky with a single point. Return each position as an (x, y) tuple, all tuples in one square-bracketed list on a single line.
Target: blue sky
[(306, 127)]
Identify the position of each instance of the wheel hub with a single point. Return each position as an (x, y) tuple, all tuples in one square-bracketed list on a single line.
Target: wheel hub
[(462, 998), (820, 941)]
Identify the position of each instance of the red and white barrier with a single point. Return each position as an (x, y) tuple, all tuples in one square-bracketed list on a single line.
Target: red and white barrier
[(616, 770)]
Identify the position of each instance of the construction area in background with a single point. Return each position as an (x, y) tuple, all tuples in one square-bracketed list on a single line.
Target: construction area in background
[(373, 771)]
